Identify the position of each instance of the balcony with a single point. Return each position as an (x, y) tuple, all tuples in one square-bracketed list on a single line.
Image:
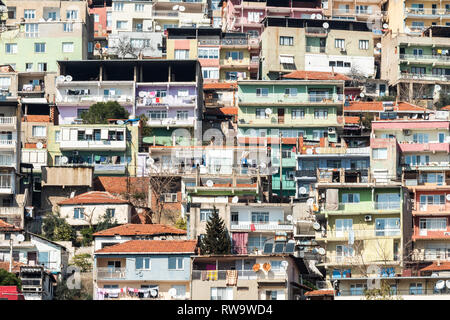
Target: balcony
[(111, 273), (316, 31), (315, 49), (168, 122), (170, 101), (333, 259), (242, 275), (424, 147), (358, 234), (109, 168), (424, 76), (366, 207), (299, 99), (95, 98), (306, 174), (431, 166), (247, 226), (7, 144), (427, 13), (165, 14), (7, 160), (7, 183), (426, 58), (8, 122), (106, 145), (425, 234)]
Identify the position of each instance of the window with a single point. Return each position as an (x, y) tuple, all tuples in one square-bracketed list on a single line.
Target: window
[(139, 7), (234, 55), (417, 52), (254, 16), (57, 136), (387, 201), (210, 73), (417, 160), (28, 67), (72, 14), (317, 134), (347, 65), (286, 154), (67, 47), (68, 27), (433, 224), (78, 213), (234, 218), (109, 18), (333, 164), (292, 92), (350, 198), (286, 41), (274, 294), (320, 113), (420, 137), (118, 6), (205, 214), (39, 47), (343, 225), (363, 9), (96, 18), (169, 197), (222, 293), (332, 63), (431, 199), (143, 263), (208, 53), (11, 12), (415, 288), (260, 217), (387, 227), (379, 153), (343, 251), (110, 212), (31, 30), (234, 75), (357, 289), (181, 54), (182, 115), (29, 14), (364, 44), (176, 263), (140, 43), (418, 70), (183, 93), (121, 24), (339, 43), (261, 113), (181, 291), (298, 114), (11, 48), (42, 66), (437, 178), (157, 114), (5, 82), (264, 92), (39, 131)]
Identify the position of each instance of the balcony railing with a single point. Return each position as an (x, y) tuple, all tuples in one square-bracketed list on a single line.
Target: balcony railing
[(426, 12), (283, 226), (425, 57), (242, 275), (425, 76), (315, 49), (8, 121), (315, 30), (387, 205), (306, 174), (111, 273), (368, 206), (171, 101), (95, 98), (299, 98), (92, 144), (7, 143), (161, 13), (368, 233), (171, 122)]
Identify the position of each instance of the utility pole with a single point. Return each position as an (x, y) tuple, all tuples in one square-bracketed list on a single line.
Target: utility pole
[(10, 253), (281, 166)]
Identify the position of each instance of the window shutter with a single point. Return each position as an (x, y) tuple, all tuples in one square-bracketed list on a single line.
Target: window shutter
[(139, 263), (180, 263), (172, 263)]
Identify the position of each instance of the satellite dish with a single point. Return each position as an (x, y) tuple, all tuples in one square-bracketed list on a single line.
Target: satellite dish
[(157, 28), (362, 95), (310, 201), (175, 7), (321, 251), (302, 190), (309, 151), (209, 183), (64, 160), (235, 199), (150, 161), (69, 78), (61, 78), (313, 16), (385, 26), (326, 25), (153, 293), (119, 122), (72, 194), (440, 284), (268, 111), (448, 197), (289, 218), (263, 165), (39, 145), (284, 264), (182, 8), (142, 94), (319, 16), (172, 292), (316, 226), (447, 283), (20, 238), (379, 45)]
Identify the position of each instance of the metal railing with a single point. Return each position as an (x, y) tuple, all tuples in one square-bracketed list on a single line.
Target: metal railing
[(271, 226), (161, 13), (315, 30), (427, 11), (111, 273), (368, 233), (242, 275), (7, 143), (299, 98), (305, 174), (7, 120), (315, 49), (95, 98), (425, 57)]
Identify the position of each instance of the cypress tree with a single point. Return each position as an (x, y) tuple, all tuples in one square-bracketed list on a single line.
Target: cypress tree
[(216, 240)]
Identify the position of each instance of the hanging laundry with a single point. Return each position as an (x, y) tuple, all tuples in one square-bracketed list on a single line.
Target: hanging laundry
[(152, 94), (212, 275), (203, 275), (232, 276)]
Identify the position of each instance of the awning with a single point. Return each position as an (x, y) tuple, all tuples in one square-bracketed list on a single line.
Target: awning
[(286, 59)]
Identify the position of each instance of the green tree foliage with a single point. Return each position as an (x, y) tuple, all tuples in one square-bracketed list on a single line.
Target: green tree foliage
[(9, 279), (100, 112), (382, 293), (216, 240), (62, 292), (87, 237), (444, 99), (56, 228), (181, 223), (83, 261), (106, 222)]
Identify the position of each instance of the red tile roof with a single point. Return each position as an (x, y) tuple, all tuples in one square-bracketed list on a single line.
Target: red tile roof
[(152, 246), (323, 292), (315, 75), (443, 266), (220, 85), (140, 229), (16, 266), (93, 197), (231, 111), (377, 106), (446, 107), (4, 226), (351, 120)]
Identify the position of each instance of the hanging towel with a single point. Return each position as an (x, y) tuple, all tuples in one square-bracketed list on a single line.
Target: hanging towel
[(203, 273), (252, 227), (232, 276), (212, 275)]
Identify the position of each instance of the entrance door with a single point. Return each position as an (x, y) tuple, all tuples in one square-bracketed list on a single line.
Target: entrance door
[(280, 115)]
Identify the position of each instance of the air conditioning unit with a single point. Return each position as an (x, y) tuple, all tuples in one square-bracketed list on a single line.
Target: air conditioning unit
[(367, 218), (331, 130)]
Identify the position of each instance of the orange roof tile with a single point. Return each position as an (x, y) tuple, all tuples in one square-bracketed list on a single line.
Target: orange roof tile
[(231, 111), (377, 106), (4, 226), (220, 85), (140, 229), (443, 266), (315, 75), (323, 292), (93, 197), (152, 246), (351, 120), (16, 266), (446, 107)]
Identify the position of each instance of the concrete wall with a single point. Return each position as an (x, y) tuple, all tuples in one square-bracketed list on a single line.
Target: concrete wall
[(67, 176), (95, 212)]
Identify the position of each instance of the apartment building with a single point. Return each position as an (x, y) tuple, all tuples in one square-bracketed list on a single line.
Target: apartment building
[(101, 12), (413, 17), (223, 56), (43, 32), (417, 66), (344, 47), (359, 10)]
